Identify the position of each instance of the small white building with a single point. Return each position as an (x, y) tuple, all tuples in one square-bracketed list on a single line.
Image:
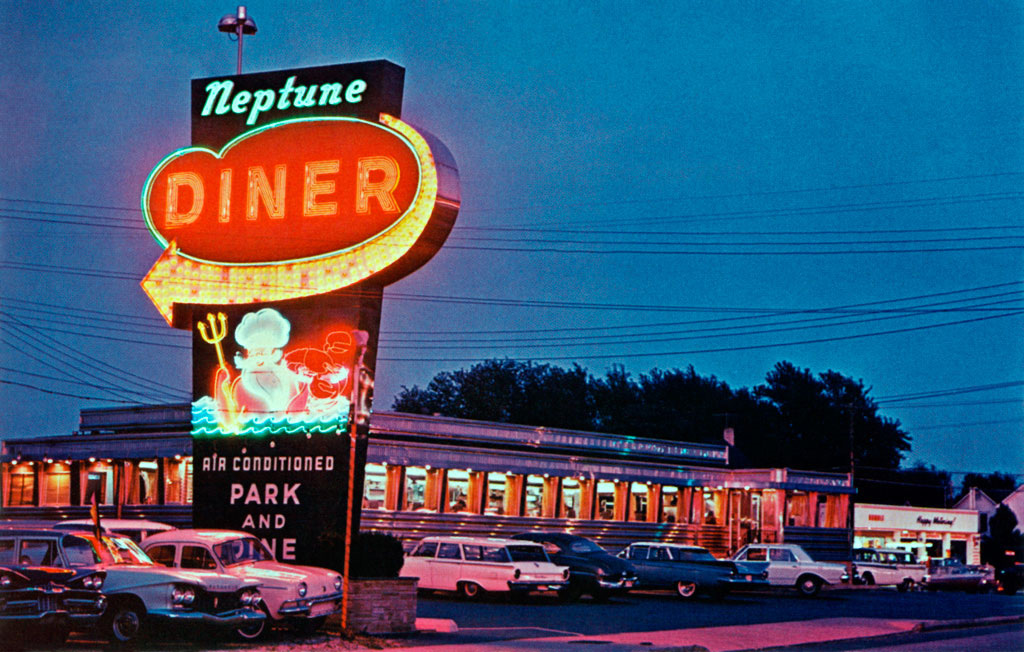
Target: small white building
[(986, 505), (925, 531)]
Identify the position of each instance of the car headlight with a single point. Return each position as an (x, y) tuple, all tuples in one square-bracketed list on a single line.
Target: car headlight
[(302, 589), (5, 581), (601, 572), (188, 597), (337, 582)]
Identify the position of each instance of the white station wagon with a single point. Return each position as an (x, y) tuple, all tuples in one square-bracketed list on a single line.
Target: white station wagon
[(889, 566), (301, 595), (473, 566), (790, 565)]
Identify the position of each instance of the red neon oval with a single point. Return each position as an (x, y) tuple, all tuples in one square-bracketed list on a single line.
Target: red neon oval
[(299, 225)]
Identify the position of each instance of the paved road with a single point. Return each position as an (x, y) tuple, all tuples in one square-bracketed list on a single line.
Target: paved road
[(661, 611)]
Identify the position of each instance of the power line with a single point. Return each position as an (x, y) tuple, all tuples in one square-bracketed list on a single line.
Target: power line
[(751, 347)]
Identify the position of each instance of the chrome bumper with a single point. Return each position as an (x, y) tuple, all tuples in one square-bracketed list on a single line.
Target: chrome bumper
[(615, 585), (233, 618), (537, 585), (303, 606)]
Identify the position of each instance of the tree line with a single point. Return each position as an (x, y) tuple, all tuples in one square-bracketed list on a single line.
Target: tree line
[(796, 418)]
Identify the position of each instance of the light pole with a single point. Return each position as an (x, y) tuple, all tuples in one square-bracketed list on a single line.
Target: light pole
[(238, 24)]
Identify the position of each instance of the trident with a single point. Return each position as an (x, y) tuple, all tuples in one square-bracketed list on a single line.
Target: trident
[(214, 338)]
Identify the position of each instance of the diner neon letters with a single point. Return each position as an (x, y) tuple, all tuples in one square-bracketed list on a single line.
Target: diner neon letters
[(293, 191), (221, 98), (260, 191)]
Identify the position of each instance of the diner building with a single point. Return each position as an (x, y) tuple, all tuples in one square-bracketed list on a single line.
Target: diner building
[(430, 475)]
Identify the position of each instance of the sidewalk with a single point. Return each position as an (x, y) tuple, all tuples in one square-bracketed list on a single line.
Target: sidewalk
[(733, 638)]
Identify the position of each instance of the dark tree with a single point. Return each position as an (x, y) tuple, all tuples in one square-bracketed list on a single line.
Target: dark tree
[(796, 419), (920, 485), (996, 486), (1004, 544), (817, 416), (507, 391)]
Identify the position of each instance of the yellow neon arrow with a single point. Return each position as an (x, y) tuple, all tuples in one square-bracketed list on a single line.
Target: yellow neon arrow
[(177, 279)]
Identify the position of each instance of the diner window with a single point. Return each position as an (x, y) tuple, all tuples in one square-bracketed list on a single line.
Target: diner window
[(570, 498), (188, 480), (175, 473), (415, 488), (669, 505), (143, 478), (99, 484), (495, 494), (22, 489), (605, 500), (458, 491), (797, 513), (712, 507), (56, 485), (374, 486), (534, 495), (638, 502)]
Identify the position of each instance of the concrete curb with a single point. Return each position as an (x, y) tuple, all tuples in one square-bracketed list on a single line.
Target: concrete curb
[(919, 628), (939, 625)]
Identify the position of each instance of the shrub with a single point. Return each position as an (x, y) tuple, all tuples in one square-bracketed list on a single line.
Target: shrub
[(376, 554)]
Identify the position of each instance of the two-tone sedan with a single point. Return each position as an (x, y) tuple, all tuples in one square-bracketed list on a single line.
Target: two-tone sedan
[(591, 569), (692, 570), (139, 594), (301, 596), (789, 565)]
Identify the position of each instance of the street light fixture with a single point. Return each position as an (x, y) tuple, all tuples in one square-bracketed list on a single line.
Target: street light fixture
[(238, 24)]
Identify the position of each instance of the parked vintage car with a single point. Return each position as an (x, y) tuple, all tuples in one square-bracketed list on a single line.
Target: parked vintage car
[(135, 528), (1011, 578), (44, 604), (790, 566), (692, 570), (473, 566), (301, 596), (592, 570), (952, 575), (139, 593), (889, 566)]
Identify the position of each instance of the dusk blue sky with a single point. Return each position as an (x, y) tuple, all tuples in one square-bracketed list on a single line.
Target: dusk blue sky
[(603, 148)]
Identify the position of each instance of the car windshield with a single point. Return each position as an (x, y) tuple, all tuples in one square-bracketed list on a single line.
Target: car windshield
[(585, 546), (122, 550), (527, 553), (240, 551)]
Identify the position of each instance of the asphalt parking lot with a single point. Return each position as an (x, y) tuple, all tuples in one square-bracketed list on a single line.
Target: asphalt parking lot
[(497, 618)]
